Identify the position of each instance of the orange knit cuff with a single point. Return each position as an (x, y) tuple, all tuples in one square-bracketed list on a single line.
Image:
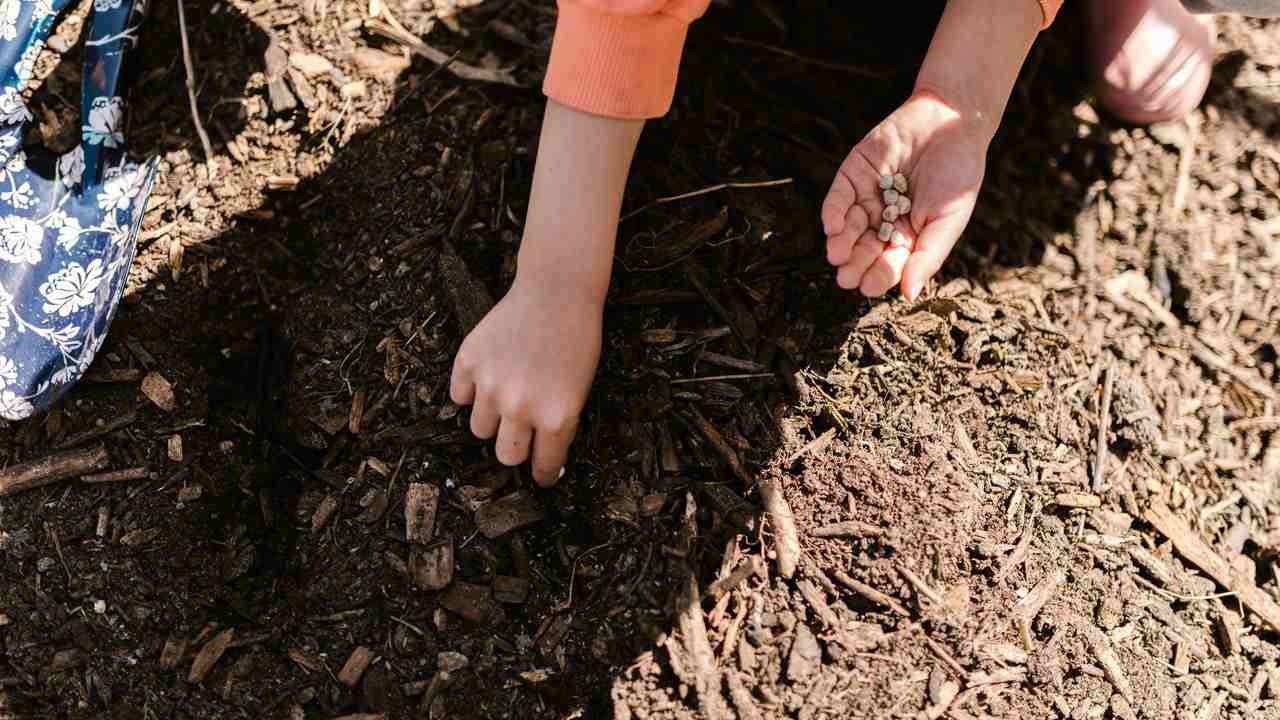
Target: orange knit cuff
[(621, 66), (1050, 9)]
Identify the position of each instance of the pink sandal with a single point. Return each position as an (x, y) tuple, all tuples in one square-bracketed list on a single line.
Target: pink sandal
[(1151, 59)]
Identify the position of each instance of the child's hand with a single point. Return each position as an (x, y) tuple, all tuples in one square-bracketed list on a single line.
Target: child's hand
[(526, 369), (943, 154)]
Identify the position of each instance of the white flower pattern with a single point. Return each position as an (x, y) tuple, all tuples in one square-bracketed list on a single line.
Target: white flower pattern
[(9, 11), (67, 238), (14, 407), (72, 288), (20, 240)]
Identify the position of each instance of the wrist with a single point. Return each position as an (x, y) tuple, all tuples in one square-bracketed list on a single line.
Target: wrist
[(563, 286), (979, 123)]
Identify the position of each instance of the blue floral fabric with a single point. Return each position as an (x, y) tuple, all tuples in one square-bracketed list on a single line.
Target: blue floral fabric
[(69, 222)]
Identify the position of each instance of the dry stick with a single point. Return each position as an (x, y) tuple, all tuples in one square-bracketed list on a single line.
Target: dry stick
[(1191, 547), (191, 87), (919, 584), (135, 473), (869, 593), (709, 378), (784, 523), (1104, 423), (945, 657), (52, 468), (706, 191)]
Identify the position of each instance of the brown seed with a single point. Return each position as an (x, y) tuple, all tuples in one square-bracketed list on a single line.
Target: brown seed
[(886, 182), (900, 182), (890, 213), (355, 667), (904, 205), (899, 240), (891, 197), (159, 391), (886, 230)]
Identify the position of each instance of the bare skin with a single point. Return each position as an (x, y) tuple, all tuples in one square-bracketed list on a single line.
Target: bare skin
[(527, 367)]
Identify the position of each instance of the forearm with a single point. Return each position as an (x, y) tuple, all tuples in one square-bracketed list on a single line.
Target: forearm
[(976, 54), (578, 183)]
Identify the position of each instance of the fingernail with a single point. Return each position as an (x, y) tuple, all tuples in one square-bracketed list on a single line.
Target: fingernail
[(561, 475)]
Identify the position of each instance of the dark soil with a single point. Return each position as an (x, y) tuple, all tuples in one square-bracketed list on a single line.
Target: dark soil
[(295, 281)]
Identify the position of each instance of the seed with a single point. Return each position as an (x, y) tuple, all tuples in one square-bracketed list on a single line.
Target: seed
[(900, 182), (890, 213), (891, 197), (886, 182), (904, 205), (886, 229), (899, 240)]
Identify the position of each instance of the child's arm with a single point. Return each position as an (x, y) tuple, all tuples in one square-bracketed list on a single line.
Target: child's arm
[(527, 367), (939, 139)]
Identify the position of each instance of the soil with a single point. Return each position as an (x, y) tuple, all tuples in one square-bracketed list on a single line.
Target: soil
[(292, 292)]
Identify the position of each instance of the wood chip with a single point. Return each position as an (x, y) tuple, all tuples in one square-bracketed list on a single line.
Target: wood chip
[(1078, 500), (209, 656), (174, 446), (1229, 628), (1196, 551), (310, 64), (355, 666), (174, 648), (510, 590), (356, 417), (421, 501), (469, 299), (159, 391), (1106, 657), (507, 514), (431, 567), (323, 512), (51, 468), (705, 679), (813, 596), (1034, 601), (473, 602)]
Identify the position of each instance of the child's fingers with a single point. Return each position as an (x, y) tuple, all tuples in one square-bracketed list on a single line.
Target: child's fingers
[(839, 199), (840, 245), (864, 253), (932, 248), (550, 451), (484, 416), (462, 391), (512, 446), (885, 272)]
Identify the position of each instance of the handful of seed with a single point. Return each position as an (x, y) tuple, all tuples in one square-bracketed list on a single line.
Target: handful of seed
[(896, 205)]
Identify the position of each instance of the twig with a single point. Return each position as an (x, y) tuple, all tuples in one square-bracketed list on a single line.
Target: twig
[(848, 528), (123, 420), (51, 468), (438, 57), (919, 584), (1104, 423), (57, 545), (135, 473), (710, 378), (946, 658), (191, 88), (706, 191), (869, 593), (1168, 595), (1191, 547)]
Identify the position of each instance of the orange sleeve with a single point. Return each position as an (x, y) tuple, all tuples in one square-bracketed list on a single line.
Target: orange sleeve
[(619, 58), (1050, 9)]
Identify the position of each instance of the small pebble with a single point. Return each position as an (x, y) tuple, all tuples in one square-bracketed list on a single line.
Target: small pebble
[(886, 229), (890, 213), (886, 182), (891, 197), (900, 182), (899, 240), (904, 205)]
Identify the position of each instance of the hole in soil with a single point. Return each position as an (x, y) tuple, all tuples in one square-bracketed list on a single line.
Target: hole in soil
[(1179, 296)]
